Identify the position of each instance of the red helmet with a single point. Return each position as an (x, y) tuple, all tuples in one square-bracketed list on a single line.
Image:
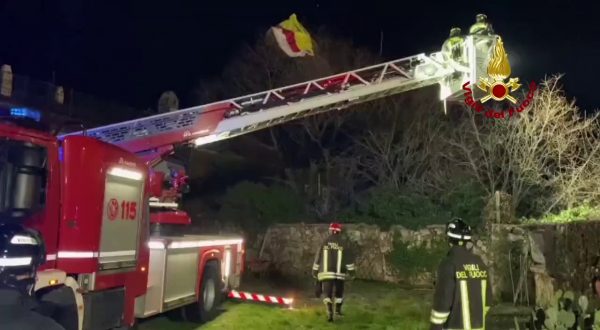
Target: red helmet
[(335, 227)]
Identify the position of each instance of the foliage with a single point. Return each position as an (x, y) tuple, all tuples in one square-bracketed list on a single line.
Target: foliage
[(414, 259), (543, 157), (385, 206), (582, 212), (567, 311), (255, 206), (465, 198)]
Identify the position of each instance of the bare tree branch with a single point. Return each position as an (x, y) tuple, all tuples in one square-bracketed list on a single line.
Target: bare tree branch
[(548, 148)]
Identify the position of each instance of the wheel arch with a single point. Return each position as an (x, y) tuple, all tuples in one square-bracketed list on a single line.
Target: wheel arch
[(208, 257), (51, 282)]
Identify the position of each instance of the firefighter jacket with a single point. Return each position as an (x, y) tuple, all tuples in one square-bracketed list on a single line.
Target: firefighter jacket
[(453, 48), (463, 292), (334, 259)]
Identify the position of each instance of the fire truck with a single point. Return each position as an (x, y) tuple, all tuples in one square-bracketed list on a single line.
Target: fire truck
[(105, 199)]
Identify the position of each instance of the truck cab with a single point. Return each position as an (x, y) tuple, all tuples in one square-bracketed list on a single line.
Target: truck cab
[(90, 200)]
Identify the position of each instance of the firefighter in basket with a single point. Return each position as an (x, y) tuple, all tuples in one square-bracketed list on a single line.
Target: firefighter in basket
[(453, 47), (22, 251), (482, 26), (463, 292), (333, 265)]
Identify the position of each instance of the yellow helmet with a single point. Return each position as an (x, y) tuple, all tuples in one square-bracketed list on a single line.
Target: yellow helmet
[(455, 32)]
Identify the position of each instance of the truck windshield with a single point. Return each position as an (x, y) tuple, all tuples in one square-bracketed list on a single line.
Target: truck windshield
[(23, 172)]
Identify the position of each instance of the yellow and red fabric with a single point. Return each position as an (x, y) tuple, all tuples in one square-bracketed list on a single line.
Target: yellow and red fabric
[(293, 39)]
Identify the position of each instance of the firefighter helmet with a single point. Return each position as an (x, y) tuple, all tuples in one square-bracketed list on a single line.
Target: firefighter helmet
[(335, 227), (455, 32), (481, 18), (22, 252), (458, 230)]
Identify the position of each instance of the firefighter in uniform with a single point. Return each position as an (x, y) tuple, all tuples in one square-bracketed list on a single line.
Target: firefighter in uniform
[(21, 253), (333, 265), (481, 26), (452, 48), (463, 291), (453, 53)]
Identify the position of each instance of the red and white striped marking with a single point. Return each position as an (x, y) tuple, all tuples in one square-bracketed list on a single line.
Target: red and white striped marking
[(260, 298)]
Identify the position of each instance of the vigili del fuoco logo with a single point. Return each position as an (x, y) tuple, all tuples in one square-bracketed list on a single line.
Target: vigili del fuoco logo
[(496, 88)]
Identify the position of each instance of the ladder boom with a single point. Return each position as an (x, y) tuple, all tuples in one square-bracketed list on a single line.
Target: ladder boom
[(225, 119)]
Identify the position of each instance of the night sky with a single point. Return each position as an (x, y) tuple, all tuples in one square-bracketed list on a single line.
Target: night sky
[(131, 51)]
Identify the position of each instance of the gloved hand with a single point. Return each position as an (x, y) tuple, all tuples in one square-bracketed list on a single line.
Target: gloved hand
[(315, 273), (318, 289), (351, 275)]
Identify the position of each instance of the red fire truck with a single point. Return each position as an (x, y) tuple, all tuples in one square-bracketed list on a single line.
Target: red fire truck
[(105, 199)]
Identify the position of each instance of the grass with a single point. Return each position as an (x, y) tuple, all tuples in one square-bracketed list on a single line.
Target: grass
[(368, 306)]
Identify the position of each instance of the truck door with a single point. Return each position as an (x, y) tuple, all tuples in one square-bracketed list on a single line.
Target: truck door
[(123, 208)]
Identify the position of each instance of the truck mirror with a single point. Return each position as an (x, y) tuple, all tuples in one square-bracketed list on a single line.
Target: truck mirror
[(29, 178), (22, 179)]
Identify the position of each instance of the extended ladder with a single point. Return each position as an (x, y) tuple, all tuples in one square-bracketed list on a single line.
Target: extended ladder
[(225, 119)]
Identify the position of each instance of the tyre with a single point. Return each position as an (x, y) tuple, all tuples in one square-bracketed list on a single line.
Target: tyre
[(59, 304), (210, 298)]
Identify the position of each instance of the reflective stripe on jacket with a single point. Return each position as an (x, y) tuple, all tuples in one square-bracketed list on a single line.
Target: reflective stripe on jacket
[(333, 260), (463, 293)]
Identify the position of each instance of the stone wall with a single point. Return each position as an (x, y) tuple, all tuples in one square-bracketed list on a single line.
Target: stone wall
[(527, 263), (566, 257), (291, 249), (531, 262)]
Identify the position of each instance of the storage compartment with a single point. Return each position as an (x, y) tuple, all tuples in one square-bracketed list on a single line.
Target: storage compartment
[(181, 277)]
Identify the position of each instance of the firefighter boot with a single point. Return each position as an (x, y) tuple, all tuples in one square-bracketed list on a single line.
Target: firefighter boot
[(329, 305), (338, 306)]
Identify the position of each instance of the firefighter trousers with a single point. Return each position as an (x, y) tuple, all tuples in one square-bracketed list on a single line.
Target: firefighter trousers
[(334, 294)]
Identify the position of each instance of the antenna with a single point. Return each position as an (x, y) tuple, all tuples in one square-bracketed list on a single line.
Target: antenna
[(381, 42)]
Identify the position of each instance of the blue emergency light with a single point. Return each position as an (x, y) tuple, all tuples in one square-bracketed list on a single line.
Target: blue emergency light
[(26, 113)]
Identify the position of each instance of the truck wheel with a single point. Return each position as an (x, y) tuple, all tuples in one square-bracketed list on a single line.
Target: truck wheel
[(206, 308), (59, 304)]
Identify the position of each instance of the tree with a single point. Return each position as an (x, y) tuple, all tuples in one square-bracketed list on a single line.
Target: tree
[(311, 141), (333, 157), (545, 157), (403, 143)]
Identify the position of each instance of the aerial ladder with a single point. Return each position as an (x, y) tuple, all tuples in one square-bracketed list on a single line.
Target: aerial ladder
[(154, 138)]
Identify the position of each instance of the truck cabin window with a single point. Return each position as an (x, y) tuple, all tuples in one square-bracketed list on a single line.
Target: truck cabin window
[(23, 174)]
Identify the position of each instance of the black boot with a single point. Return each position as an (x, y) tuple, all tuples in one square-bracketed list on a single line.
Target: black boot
[(338, 309), (329, 305)]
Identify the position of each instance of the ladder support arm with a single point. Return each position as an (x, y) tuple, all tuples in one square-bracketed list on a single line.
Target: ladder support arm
[(222, 120)]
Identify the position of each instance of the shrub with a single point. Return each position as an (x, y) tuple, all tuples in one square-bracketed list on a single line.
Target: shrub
[(385, 207), (255, 206), (413, 260), (582, 212), (465, 199)]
